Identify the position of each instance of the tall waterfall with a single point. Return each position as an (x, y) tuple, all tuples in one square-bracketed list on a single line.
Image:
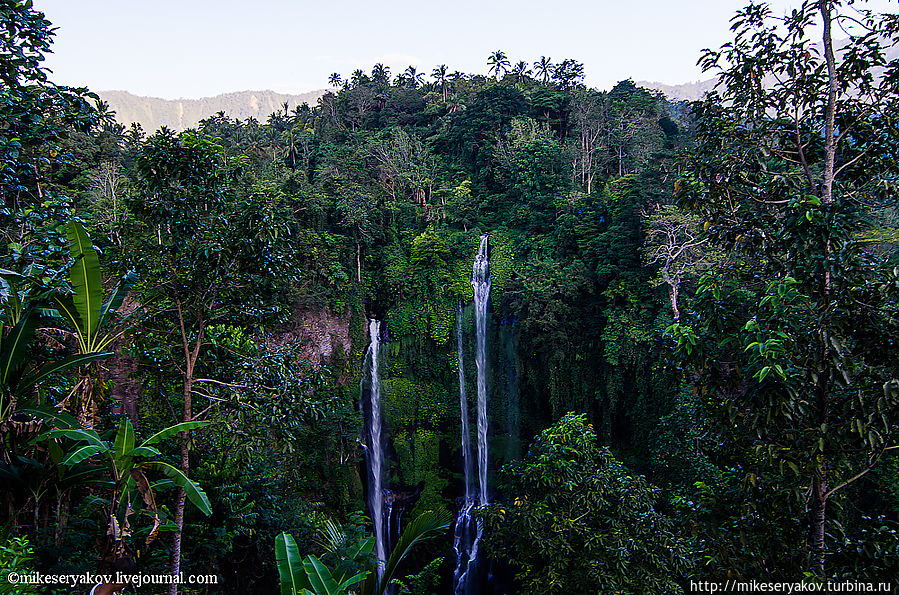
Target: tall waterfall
[(480, 282), (468, 533), (463, 403), (375, 447)]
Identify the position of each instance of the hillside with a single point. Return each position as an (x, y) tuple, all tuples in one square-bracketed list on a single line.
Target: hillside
[(179, 114)]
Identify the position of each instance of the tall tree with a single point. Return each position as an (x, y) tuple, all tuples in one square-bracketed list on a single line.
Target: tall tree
[(794, 337), (439, 75), (498, 63), (206, 247), (521, 71), (544, 68)]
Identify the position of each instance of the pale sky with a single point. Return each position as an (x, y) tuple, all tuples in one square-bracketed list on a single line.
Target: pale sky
[(198, 48)]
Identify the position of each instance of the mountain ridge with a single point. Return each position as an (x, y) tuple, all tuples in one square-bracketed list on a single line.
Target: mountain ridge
[(179, 114)]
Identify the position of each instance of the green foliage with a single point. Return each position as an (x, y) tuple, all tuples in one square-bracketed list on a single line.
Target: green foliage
[(126, 466), (791, 340), (580, 523), (17, 555), (299, 576)]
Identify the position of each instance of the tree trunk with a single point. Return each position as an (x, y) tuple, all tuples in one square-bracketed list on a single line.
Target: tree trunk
[(672, 295), (816, 523), (191, 355)]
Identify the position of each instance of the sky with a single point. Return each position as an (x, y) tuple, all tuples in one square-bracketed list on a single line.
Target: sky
[(199, 48)]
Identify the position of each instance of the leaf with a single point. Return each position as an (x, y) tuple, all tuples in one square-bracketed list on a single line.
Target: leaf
[(85, 278), (172, 430), (358, 578), (320, 577), (290, 570), (14, 345), (66, 363), (143, 486), (118, 296), (428, 524), (82, 453), (143, 451), (89, 436), (124, 439), (193, 490), (60, 419)]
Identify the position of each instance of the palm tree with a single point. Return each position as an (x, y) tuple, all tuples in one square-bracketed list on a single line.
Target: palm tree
[(380, 74), (439, 75), (334, 80), (414, 77), (499, 63), (544, 67), (521, 70), (358, 78)]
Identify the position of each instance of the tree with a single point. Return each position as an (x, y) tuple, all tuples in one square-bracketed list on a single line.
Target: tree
[(414, 78), (675, 241), (206, 247), (36, 115), (380, 74), (581, 523), (544, 68), (793, 339), (335, 79), (498, 63), (521, 71), (439, 75), (568, 73)]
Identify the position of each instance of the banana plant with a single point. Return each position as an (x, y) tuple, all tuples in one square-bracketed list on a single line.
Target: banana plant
[(22, 312), (128, 465), (310, 576), (85, 309)]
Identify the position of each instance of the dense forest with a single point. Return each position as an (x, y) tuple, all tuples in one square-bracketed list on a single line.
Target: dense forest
[(224, 349)]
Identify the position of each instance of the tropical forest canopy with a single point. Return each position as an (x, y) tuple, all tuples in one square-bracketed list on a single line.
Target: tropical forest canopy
[(691, 329)]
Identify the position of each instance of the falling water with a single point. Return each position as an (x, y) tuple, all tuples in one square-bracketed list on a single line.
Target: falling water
[(463, 402), (468, 532), (480, 281), (463, 534), (375, 450)]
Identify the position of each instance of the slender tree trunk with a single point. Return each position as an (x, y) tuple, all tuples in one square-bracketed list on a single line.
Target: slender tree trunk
[(190, 356), (673, 291), (816, 523)]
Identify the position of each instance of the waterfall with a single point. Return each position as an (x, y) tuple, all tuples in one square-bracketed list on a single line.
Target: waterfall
[(467, 533), (463, 403), (375, 447), (480, 282)]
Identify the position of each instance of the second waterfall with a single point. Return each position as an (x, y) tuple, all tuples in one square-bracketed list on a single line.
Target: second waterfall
[(467, 533)]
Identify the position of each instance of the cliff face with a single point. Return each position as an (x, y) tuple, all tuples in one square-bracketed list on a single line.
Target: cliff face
[(180, 114), (319, 334)]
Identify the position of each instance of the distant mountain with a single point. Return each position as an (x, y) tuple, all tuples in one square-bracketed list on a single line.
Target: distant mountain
[(687, 91), (696, 90), (179, 114)]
